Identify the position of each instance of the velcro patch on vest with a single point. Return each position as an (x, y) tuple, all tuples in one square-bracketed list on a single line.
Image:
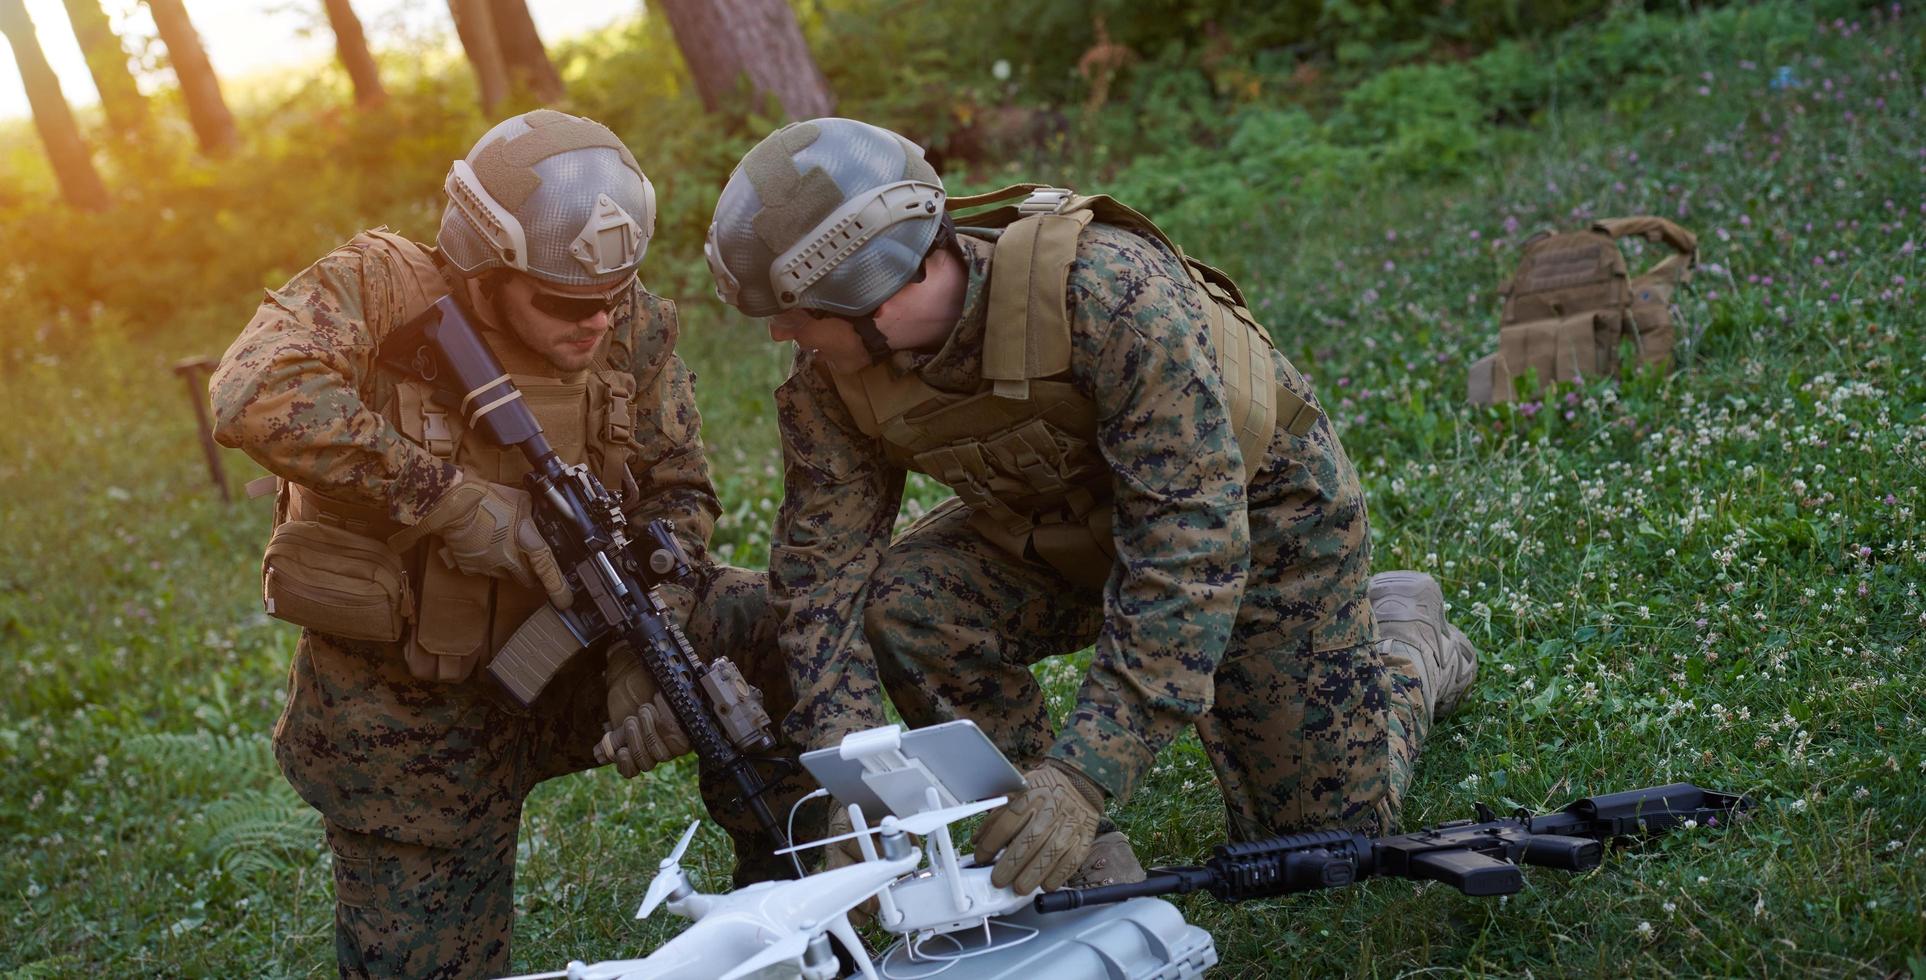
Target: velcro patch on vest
[(1564, 267)]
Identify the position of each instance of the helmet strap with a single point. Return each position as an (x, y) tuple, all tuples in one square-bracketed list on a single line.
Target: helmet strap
[(874, 343)]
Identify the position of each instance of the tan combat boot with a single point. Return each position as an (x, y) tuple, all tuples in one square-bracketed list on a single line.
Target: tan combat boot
[(1412, 631), (1110, 862)]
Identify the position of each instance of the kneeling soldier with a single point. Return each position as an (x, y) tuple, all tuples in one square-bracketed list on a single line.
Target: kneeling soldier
[(1135, 466), (404, 546)]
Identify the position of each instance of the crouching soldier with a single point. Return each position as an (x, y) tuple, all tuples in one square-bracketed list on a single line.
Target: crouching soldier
[(404, 546), (1135, 466)]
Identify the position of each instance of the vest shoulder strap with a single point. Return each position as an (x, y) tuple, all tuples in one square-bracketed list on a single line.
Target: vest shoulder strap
[(417, 282), (1676, 268)]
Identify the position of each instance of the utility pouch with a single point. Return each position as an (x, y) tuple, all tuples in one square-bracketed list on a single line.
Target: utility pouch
[(334, 581), (451, 632)]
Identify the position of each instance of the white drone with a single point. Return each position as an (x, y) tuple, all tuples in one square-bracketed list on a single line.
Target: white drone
[(948, 915)]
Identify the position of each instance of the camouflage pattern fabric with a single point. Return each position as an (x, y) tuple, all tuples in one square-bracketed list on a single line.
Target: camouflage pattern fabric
[(300, 392), (956, 625), (421, 783), (1242, 610), (427, 780), (409, 910)]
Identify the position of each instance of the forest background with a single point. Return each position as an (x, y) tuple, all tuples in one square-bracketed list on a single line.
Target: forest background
[(1709, 575)]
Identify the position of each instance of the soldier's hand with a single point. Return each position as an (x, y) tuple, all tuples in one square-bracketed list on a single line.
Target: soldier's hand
[(630, 685), (644, 739), (489, 529), (1044, 832)]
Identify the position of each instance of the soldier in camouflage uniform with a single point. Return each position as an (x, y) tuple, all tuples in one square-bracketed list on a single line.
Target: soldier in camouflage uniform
[(1136, 467), (404, 546)]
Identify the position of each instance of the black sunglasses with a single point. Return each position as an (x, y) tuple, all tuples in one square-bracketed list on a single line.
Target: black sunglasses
[(574, 309)]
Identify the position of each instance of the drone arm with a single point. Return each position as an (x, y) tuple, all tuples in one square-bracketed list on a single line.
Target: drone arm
[(885, 904), (946, 854)]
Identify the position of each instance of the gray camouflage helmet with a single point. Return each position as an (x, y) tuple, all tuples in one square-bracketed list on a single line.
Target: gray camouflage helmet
[(830, 214), (553, 195)]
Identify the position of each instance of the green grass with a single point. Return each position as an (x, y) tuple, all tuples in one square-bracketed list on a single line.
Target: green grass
[(1709, 576)]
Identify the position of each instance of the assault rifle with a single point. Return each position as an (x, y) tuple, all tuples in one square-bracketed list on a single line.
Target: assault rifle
[(1476, 857), (614, 577)]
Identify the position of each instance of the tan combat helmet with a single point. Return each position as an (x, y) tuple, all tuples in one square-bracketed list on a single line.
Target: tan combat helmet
[(552, 195), (830, 214)]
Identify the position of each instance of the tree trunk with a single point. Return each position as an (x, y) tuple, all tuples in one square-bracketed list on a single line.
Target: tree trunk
[(523, 53), (723, 40), (351, 45), (120, 98), (206, 109), (475, 25), (73, 166)]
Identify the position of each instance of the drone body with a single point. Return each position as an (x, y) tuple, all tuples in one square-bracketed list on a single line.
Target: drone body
[(951, 920)]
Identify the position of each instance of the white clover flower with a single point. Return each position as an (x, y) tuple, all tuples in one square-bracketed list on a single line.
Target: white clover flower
[(1645, 930)]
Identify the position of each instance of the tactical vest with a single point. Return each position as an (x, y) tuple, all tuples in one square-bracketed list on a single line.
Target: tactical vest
[(1021, 451), (455, 622), (1571, 307)]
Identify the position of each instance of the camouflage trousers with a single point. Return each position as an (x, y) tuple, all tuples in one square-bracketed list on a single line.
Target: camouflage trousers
[(1299, 738), (421, 784)]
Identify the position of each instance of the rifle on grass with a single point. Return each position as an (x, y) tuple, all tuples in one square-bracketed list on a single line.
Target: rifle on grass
[(613, 576), (1477, 857)]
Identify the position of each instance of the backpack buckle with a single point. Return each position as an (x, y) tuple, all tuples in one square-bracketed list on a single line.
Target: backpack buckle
[(1045, 200)]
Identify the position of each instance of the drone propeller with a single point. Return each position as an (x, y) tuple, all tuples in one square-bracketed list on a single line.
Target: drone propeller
[(920, 824), (668, 875)]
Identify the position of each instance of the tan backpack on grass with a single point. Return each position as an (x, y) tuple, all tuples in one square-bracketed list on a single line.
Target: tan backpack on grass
[(1571, 307)]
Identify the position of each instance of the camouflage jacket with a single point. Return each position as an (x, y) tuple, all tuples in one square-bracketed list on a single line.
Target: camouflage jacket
[(1183, 514), (298, 391)]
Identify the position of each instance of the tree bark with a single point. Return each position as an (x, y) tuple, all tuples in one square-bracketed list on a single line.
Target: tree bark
[(206, 109), (120, 98), (73, 165), (351, 45), (522, 51), (475, 25), (724, 40)]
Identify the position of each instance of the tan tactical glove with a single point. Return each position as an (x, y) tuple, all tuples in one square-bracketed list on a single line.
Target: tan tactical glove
[(643, 732), (487, 530), (1044, 831)]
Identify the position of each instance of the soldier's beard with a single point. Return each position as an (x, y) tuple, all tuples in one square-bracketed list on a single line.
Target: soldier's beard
[(564, 346)]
